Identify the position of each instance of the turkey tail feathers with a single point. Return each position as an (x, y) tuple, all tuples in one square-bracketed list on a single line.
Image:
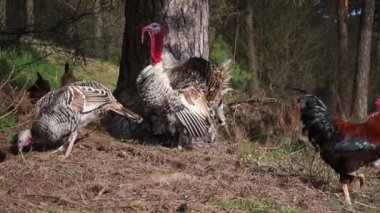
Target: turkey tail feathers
[(219, 82), (121, 110)]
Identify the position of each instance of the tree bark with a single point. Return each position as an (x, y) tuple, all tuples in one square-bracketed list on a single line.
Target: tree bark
[(3, 13), (100, 46), (29, 17), (364, 58), (251, 50), (187, 24), (344, 75), (15, 23)]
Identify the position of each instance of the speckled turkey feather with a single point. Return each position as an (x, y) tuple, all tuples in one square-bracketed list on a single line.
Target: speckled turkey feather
[(63, 111), (173, 88)]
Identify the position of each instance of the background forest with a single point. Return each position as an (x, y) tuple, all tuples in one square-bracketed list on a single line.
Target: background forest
[(330, 48), (275, 45)]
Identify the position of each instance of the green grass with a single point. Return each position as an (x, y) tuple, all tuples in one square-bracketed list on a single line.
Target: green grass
[(295, 158), (101, 71), (2, 181), (249, 152), (254, 205), (28, 61), (7, 122)]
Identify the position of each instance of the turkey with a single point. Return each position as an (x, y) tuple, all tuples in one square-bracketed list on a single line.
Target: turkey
[(40, 88), (67, 77), (187, 95), (61, 113)]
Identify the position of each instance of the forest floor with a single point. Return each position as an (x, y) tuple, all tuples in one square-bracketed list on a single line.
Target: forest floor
[(104, 174)]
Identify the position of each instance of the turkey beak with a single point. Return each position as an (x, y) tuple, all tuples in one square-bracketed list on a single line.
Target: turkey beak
[(144, 30)]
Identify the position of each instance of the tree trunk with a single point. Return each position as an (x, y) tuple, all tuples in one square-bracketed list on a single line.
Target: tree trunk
[(364, 58), (187, 24), (3, 13), (344, 75), (251, 50), (29, 19), (100, 50), (15, 23)]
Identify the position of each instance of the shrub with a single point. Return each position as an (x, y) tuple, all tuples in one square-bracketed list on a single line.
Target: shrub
[(219, 52), (26, 63)]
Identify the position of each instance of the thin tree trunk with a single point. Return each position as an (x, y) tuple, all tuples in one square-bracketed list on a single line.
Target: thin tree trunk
[(99, 32), (344, 75), (364, 58), (251, 51), (3, 6), (332, 100), (29, 14), (187, 25), (15, 23)]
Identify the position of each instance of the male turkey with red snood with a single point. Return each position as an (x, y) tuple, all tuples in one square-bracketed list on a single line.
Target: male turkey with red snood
[(182, 94)]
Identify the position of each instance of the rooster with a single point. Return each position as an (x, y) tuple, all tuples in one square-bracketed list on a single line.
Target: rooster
[(181, 93), (40, 88), (344, 145), (67, 77), (61, 113)]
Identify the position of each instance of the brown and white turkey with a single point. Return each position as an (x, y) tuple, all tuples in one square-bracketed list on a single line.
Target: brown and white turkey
[(186, 95), (61, 113)]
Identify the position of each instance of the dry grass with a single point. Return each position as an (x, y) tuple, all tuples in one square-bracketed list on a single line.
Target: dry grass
[(262, 118), (108, 175), (103, 174)]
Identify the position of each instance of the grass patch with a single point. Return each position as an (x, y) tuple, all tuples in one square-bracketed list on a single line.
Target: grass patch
[(254, 205), (249, 152), (7, 122), (2, 181), (104, 72), (295, 158), (27, 62)]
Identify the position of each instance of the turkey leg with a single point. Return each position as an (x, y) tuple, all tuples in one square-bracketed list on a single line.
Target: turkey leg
[(71, 141)]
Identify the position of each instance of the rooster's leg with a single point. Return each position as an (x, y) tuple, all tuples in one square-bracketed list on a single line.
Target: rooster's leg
[(346, 194), (71, 141), (361, 179)]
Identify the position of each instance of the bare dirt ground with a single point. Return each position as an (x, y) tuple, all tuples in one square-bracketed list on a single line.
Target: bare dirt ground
[(103, 174)]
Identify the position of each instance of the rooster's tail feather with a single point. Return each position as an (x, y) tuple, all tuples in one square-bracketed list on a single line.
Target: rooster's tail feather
[(317, 120)]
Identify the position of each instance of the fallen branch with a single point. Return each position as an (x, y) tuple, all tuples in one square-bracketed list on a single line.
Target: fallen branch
[(256, 100), (15, 108), (7, 80), (58, 198)]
